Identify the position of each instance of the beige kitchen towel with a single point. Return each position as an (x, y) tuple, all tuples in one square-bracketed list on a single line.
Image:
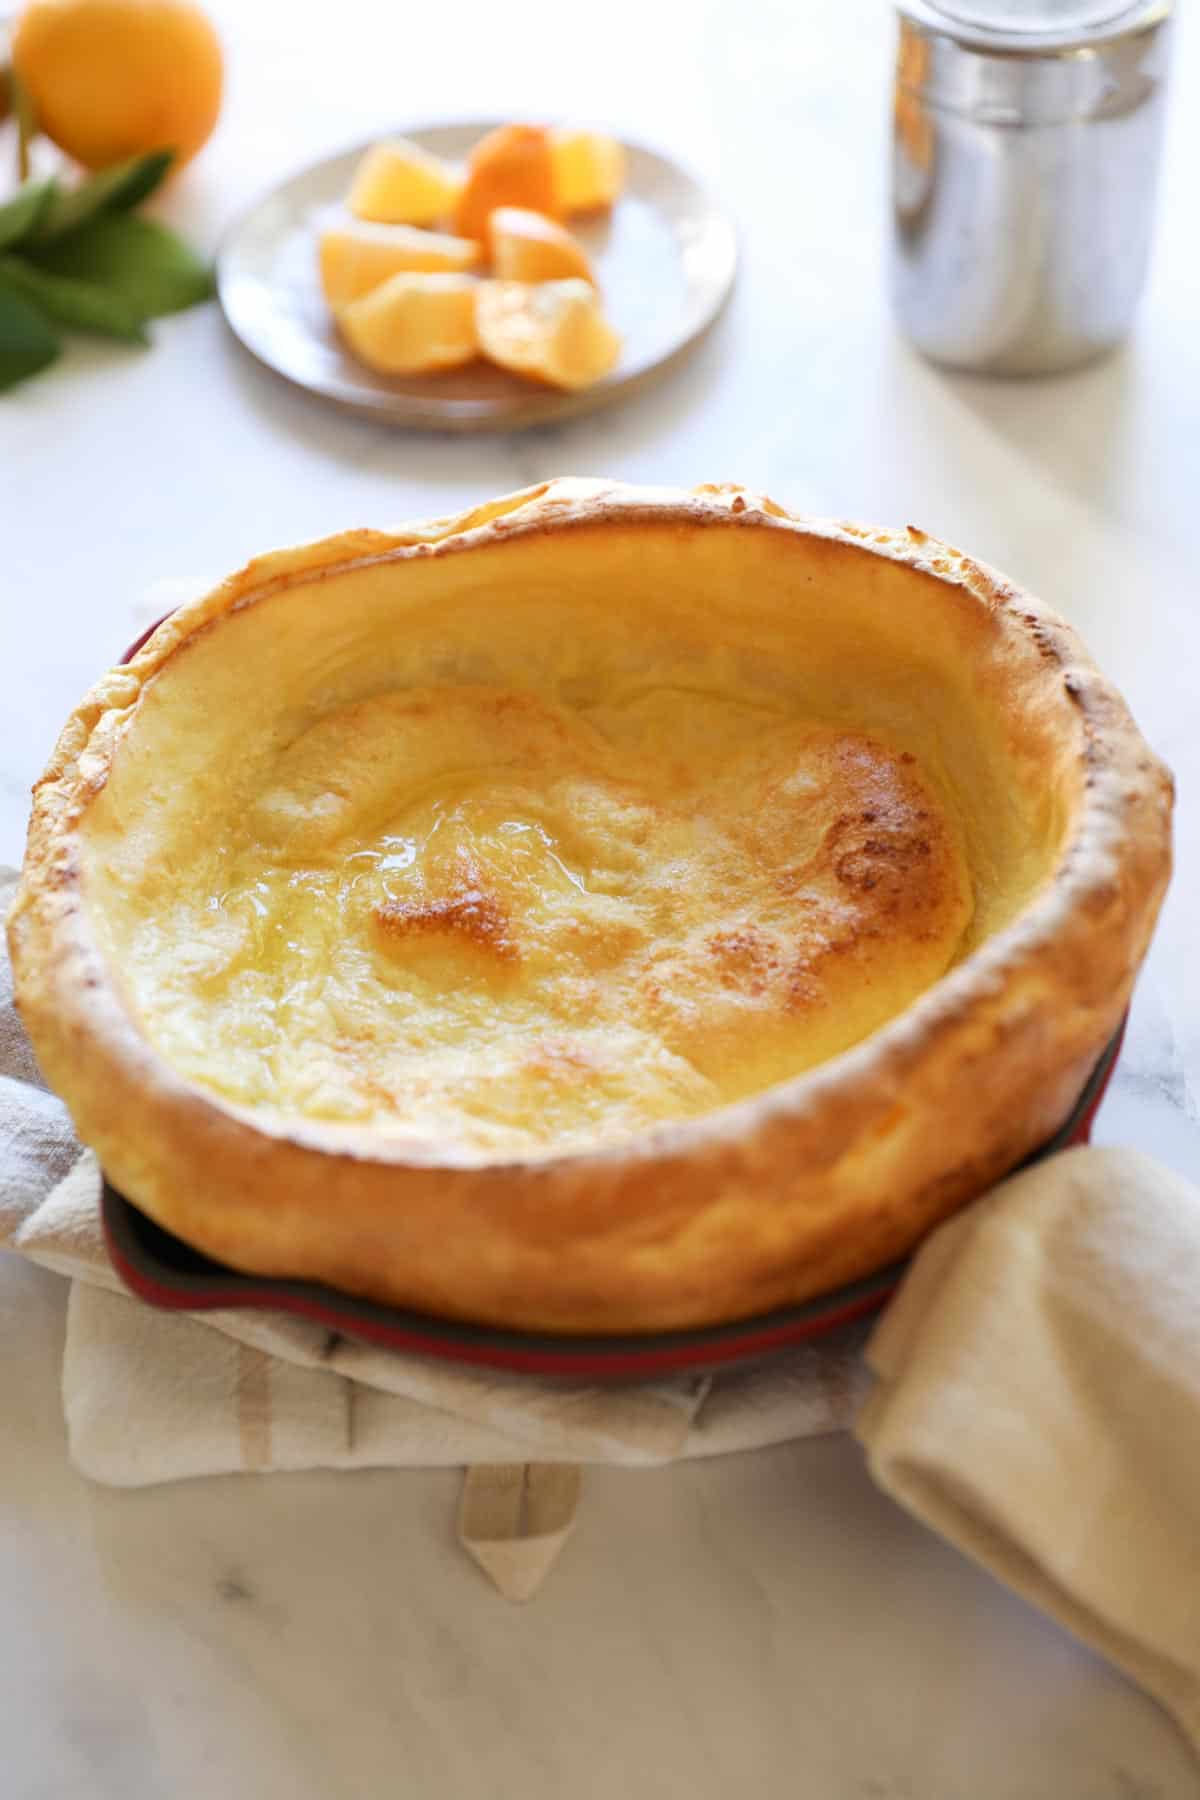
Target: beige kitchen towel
[(1038, 1404), (152, 1396)]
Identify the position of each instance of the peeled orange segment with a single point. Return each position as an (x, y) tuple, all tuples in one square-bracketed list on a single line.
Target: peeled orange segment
[(413, 324), (588, 169), (526, 246), (509, 167), (553, 331), (359, 256), (398, 183)]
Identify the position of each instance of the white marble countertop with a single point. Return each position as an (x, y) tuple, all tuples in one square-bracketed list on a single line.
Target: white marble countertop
[(762, 1624)]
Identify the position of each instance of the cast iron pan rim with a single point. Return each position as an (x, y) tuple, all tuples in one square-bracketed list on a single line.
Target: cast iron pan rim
[(165, 1271)]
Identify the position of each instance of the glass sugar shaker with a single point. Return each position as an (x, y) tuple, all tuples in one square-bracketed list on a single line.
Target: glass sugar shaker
[(1025, 160)]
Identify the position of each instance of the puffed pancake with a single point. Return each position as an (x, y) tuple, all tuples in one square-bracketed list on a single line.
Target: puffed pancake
[(611, 909)]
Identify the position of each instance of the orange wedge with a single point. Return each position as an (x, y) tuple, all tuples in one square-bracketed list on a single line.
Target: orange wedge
[(508, 167), (398, 183), (553, 331), (526, 246), (412, 324), (588, 169), (358, 256)]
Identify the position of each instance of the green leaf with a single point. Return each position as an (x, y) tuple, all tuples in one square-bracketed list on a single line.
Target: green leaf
[(139, 259), (25, 211), (27, 341), (83, 304), (119, 188)]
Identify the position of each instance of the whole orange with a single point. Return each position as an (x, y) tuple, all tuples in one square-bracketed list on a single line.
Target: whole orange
[(112, 78)]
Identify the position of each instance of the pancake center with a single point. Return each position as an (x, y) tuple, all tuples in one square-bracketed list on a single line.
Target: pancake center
[(487, 918)]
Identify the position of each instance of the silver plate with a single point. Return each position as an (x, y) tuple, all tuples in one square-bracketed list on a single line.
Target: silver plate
[(665, 258)]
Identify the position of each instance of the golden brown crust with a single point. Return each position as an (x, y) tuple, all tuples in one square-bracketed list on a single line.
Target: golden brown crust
[(775, 1198)]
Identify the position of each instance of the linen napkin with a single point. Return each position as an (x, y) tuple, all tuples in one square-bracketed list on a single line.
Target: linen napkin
[(1038, 1404), (153, 1396)]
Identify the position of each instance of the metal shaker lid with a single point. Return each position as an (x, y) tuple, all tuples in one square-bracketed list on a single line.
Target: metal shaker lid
[(1037, 27), (1033, 62)]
